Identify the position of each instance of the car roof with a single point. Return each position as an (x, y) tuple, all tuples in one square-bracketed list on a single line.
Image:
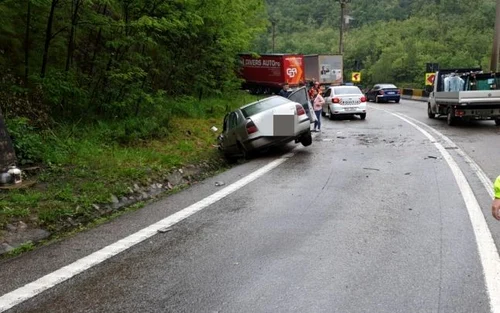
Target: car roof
[(264, 100), (386, 85)]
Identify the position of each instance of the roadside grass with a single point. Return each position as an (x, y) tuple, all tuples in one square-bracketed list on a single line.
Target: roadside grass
[(81, 165)]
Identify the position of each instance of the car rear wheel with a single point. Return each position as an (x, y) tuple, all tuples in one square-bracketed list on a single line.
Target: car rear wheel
[(306, 140), (497, 121), (429, 112), (450, 117), (323, 113), (330, 115), (242, 151), (397, 101), (362, 116)]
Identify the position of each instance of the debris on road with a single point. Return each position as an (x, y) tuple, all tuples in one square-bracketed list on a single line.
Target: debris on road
[(408, 173), (164, 230), (371, 169), (219, 183), (432, 157)]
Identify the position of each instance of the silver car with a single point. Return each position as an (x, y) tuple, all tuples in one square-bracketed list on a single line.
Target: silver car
[(264, 123), (344, 100)]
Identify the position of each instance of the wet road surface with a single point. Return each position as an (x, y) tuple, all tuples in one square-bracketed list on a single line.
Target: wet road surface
[(369, 218)]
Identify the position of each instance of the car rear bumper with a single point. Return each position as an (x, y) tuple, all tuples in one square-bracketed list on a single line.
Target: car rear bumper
[(339, 109), (389, 97), (268, 141)]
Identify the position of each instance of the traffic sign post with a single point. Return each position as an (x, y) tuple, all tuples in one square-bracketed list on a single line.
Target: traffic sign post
[(356, 77), (429, 79)]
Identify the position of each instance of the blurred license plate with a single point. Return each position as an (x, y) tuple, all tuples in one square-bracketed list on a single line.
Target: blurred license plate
[(391, 92), (351, 109), (349, 102)]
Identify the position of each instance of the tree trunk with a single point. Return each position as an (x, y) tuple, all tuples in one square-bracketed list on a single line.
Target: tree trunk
[(7, 153), (27, 45), (71, 41), (48, 38), (97, 47)]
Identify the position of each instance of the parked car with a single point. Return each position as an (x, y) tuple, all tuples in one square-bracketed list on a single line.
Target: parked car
[(264, 123), (383, 93), (342, 100)]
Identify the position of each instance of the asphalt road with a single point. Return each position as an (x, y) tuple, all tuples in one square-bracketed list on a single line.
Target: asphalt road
[(369, 218)]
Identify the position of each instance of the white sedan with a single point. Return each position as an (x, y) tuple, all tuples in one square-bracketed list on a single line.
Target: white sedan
[(344, 100)]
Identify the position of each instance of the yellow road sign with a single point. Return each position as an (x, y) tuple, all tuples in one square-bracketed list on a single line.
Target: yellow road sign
[(429, 79), (356, 77)]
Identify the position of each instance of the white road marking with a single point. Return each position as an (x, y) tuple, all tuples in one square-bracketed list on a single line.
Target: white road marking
[(48, 281), (487, 183), (487, 249)]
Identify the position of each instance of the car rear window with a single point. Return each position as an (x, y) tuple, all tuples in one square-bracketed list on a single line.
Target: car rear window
[(388, 86), (263, 105), (347, 91)]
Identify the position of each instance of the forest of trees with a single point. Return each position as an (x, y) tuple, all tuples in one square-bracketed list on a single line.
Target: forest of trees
[(391, 40), (69, 59), (115, 58)]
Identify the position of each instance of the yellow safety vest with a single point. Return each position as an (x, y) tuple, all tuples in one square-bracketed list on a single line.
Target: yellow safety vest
[(497, 187)]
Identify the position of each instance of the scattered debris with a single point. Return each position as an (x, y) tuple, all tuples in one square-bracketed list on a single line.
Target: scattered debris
[(432, 157), (340, 137), (219, 183), (214, 129), (344, 160), (113, 199), (371, 169), (451, 148), (164, 230), (408, 173)]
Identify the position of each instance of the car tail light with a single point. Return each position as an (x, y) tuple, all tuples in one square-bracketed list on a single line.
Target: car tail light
[(363, 99), (398, 91), (381, 92), (300, 110), (336, 100), (251, 128)]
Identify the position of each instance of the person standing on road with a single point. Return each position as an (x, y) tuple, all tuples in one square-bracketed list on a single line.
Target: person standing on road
[(318, 107), (495, 207), (285, 92), (316, 87)]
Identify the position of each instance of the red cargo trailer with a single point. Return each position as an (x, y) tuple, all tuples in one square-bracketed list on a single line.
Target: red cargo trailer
[(268, 72)]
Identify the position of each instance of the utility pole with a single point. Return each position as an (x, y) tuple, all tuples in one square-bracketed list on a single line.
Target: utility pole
[(274, 26), (496, 41), (343, 4)]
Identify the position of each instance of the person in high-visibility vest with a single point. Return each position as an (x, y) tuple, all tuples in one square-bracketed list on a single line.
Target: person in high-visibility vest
[(495, 207)]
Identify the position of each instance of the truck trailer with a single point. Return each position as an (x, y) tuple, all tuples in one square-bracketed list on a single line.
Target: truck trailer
[(267, 73), (324, 68), (465, 94)]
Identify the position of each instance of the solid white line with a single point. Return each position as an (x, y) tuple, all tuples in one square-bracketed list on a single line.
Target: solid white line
[(487, 183), (487, 249), (48, 281)]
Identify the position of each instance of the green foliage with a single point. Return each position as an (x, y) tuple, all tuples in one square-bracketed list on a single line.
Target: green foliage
[(27, 246), (391, 39), (26, 140), (113, 58)]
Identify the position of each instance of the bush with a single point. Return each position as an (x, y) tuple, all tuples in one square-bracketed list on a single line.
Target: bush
[(26, 139)]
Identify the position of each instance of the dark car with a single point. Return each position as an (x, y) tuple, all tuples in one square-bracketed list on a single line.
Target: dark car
[(383, 93)]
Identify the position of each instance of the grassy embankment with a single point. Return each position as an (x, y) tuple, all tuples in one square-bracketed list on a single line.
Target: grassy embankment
[(85, 164)]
